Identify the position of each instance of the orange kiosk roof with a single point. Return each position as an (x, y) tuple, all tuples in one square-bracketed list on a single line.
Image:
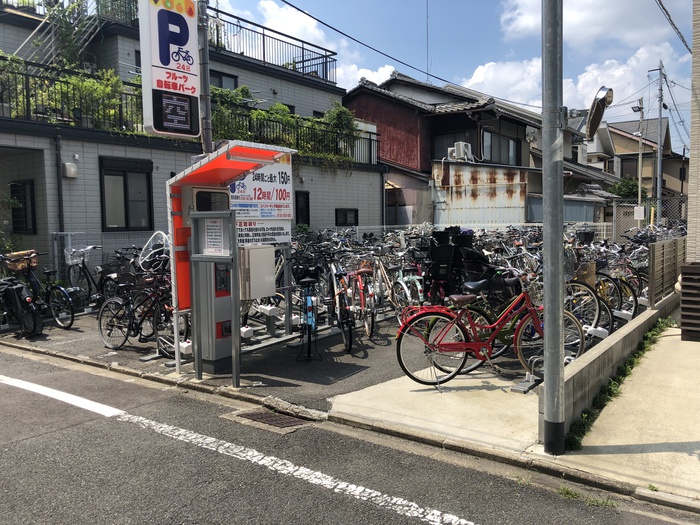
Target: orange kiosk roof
[(229, 163)]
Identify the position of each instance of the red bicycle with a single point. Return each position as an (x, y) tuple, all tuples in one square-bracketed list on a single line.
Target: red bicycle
[(436, 342)]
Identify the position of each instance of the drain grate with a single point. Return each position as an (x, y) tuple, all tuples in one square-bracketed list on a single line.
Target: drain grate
[(273, 419)]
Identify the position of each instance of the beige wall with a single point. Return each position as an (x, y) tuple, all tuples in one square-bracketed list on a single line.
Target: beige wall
[(694, 171)]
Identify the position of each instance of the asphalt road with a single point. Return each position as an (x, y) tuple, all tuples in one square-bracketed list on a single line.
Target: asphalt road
[(149, 453)]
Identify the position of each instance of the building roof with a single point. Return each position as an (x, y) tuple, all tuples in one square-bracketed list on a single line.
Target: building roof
[(463, 99), (649, 129)]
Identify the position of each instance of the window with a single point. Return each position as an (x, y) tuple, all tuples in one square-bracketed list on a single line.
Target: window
[(222, 80), (346, 217), (127, 199), (318, 114), (291, 108), (23, 212), (501, 150), (301, 205)]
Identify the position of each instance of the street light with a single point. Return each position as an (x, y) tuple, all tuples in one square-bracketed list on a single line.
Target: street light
[(639, 108)]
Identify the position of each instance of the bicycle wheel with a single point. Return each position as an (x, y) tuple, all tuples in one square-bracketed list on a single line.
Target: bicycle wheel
[(418, 348), (109, 287), (143, 316), (28, 318), (76, 277), (606, 319), (369, 314), (345, 322), (608, 290), (114, 320), (582, 301), (356, 300), (402, 298), (415, 292), (61, 307), (630, 302), (529, 340)]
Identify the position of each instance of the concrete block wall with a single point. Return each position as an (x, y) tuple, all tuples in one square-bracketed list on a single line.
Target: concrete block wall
[(329, 189), (584, 378)]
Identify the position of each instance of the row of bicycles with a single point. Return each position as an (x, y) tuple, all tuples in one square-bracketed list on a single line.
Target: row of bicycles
[(131, 292), (461, 298)]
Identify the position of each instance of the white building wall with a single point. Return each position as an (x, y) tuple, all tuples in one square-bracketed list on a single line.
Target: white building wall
[(329, 190)]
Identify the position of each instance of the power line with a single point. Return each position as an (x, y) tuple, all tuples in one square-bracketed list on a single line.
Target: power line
[(673, 25), (363, 44)]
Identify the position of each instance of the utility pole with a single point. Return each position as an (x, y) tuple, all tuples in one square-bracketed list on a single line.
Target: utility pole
[(639, 108), (659, 146), (553, 122)]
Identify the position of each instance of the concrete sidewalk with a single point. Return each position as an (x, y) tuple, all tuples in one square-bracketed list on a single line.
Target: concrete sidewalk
[(647, 440)]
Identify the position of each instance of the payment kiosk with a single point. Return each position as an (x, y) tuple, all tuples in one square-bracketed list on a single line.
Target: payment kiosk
[(210, 274)]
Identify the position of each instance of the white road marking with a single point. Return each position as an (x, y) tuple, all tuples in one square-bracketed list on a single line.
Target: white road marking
[(80, 402), (396, 504)]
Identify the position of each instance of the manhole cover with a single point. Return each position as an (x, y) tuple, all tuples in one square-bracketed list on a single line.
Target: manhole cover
[(273, 419)]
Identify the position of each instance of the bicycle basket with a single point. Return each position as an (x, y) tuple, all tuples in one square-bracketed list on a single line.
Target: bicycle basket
[(76, 255), (27, 258)]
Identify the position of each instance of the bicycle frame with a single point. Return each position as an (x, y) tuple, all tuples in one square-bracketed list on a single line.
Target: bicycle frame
[(482, 350)]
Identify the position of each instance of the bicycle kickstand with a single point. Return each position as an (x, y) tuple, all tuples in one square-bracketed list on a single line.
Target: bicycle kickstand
[(497, 369)]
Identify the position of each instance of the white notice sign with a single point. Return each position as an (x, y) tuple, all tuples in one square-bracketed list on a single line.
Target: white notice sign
[(214, 236)]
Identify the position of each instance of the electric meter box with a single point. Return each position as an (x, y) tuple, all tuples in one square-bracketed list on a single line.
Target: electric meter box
[(257, 271), (204, 199)]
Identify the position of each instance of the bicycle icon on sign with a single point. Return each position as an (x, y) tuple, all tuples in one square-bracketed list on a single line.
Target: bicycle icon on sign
[(183, 54)]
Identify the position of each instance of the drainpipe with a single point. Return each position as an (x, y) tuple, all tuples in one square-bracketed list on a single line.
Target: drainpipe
[(59, 180)]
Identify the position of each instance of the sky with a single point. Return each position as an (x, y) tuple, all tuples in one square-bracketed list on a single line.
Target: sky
[(495, 47)]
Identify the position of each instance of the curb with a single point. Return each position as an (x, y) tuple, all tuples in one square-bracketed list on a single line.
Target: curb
[(522, 460)]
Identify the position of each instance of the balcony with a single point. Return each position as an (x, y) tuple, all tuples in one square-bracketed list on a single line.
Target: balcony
[(227, 33), (77, 100)]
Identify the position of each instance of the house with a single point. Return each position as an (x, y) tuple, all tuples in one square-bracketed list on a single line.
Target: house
[(457, 156), (74, 153)]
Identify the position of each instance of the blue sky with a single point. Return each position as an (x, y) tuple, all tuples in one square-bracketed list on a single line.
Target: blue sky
[(495, 47)]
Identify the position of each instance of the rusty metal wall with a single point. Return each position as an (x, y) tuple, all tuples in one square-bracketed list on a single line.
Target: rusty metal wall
[(478, 196)]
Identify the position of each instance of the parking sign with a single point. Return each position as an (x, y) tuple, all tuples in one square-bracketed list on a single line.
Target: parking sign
[(170, 67)]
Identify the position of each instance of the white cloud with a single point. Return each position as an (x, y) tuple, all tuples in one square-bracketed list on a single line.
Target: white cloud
[(350, 74), (292, 22), (522, 81), (588, 23)]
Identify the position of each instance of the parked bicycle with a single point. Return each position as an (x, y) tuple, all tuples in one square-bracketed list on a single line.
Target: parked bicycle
[(308, 328), (50, 299), (434, 344), (88, 290), (143, 313)]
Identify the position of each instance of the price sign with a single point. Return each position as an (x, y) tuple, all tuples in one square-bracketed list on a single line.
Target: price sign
[(266, 193)]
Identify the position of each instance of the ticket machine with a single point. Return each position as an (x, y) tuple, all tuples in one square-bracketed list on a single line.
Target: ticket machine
[(219, 280), (205, 269)]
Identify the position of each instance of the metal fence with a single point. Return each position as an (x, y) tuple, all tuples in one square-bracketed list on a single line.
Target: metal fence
[(670, 222)]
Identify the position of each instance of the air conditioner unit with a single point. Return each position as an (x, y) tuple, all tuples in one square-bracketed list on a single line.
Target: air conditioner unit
[(463, 151), (451, 153)]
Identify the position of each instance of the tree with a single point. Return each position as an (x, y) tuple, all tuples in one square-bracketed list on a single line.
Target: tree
[(627, 189)]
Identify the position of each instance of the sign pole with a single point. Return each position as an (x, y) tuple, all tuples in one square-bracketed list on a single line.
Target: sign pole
[(205, 97)]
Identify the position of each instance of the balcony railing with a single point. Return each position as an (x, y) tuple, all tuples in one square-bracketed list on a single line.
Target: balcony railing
[(307, 136), (236, 35), (226, 33), (77, 100)]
